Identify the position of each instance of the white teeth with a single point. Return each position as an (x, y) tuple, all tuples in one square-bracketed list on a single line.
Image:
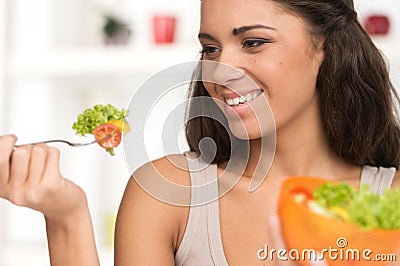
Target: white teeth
[(242, 99), (249, 97)]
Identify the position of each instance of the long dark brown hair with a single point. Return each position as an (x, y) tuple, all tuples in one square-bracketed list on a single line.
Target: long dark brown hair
[(357, 99)]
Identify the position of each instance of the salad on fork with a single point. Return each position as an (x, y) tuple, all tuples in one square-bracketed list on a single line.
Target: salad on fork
[(106, 122)]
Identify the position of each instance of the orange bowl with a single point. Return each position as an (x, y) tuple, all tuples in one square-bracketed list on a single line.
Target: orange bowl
[(340, 242)]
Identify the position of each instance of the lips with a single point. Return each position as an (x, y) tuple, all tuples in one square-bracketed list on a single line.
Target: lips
[(239, 103)]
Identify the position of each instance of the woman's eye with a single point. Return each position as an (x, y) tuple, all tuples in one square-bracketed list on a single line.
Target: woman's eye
[(252, 43), (209, 50)]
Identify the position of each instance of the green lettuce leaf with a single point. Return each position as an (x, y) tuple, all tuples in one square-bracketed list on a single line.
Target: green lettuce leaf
[(365, 208), (95, 116)]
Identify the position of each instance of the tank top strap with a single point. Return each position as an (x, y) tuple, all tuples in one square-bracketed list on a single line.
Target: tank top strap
[(201, 243), (213, 219), (377, 178), (204, 180)]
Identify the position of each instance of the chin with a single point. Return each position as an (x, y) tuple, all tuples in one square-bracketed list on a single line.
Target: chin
[(248, 131)]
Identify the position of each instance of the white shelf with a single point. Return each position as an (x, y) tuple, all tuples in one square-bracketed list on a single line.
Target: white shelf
[(104, 61), (122, 61)]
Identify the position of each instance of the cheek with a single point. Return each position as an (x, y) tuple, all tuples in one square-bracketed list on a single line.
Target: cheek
[(293, 100), (290, 88), (214, 100), (210, 88)]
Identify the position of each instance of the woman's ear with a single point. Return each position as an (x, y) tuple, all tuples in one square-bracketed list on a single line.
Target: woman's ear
[(319, 51)]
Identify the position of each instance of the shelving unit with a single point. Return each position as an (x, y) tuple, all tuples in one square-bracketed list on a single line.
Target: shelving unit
[(123, 61), (103, 61), (46, 79), (72, 75)]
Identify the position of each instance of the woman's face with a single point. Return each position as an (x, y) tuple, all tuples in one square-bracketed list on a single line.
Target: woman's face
[(272, 47)]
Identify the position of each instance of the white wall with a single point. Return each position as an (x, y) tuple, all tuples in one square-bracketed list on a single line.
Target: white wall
[(389, 44), (2, 101), (3, 27)]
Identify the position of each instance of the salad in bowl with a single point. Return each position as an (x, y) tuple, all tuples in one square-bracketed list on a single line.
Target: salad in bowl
[(328, 216)]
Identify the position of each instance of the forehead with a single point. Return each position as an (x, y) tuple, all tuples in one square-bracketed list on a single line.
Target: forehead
[(222, 16), (240, 10)]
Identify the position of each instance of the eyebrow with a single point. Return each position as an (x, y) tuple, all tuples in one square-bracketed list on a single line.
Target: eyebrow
[(206, 36), (236, 31), (243, 29)]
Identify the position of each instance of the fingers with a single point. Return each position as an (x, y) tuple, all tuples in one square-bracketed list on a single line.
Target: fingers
[(27, 173), (276, 232), (20, 160), (6, 149), (276, 237), (44, 180), (52, 169), (30, 164), (30, 177), (38, 163), (279, 243), (319, 262)]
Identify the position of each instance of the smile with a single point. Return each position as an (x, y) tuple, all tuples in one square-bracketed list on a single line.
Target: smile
[(242, 99)]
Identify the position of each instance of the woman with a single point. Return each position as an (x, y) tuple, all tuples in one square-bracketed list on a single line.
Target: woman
[(333, 104)]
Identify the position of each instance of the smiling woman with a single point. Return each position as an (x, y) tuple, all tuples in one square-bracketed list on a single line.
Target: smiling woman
[(304, 72), (272, 47)]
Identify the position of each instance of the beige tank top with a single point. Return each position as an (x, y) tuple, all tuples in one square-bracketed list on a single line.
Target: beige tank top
[(201, 243)]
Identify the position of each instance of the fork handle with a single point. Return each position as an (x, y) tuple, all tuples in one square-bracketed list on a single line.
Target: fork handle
[(55, 141)]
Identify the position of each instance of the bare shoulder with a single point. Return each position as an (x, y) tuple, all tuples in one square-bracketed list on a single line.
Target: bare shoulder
[(173, 168), (166, 179), (153, 212), (396, 180)]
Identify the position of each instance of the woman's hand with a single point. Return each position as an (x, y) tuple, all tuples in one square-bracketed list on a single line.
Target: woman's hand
[(30, 177), (278, 243)]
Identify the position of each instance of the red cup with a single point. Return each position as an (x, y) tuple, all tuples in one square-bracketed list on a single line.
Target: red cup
[(164, 29), (377, 24)]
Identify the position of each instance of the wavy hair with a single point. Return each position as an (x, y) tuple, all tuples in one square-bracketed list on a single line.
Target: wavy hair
[(357, 99)]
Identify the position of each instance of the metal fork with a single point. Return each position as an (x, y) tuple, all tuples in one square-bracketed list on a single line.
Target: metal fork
[(72, 144)]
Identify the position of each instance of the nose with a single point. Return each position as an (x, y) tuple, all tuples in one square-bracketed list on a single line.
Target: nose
[(226, 74), (226, 70)]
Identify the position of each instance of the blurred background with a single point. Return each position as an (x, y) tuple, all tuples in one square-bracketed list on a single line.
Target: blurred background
[(59, 57)]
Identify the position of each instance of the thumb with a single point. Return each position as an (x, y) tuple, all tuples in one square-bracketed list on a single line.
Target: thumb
[(318, 262), (277, 242), (276, 231)]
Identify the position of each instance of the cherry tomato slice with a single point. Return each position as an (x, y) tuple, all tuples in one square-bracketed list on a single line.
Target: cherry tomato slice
[(301, 191), (107, 135)]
